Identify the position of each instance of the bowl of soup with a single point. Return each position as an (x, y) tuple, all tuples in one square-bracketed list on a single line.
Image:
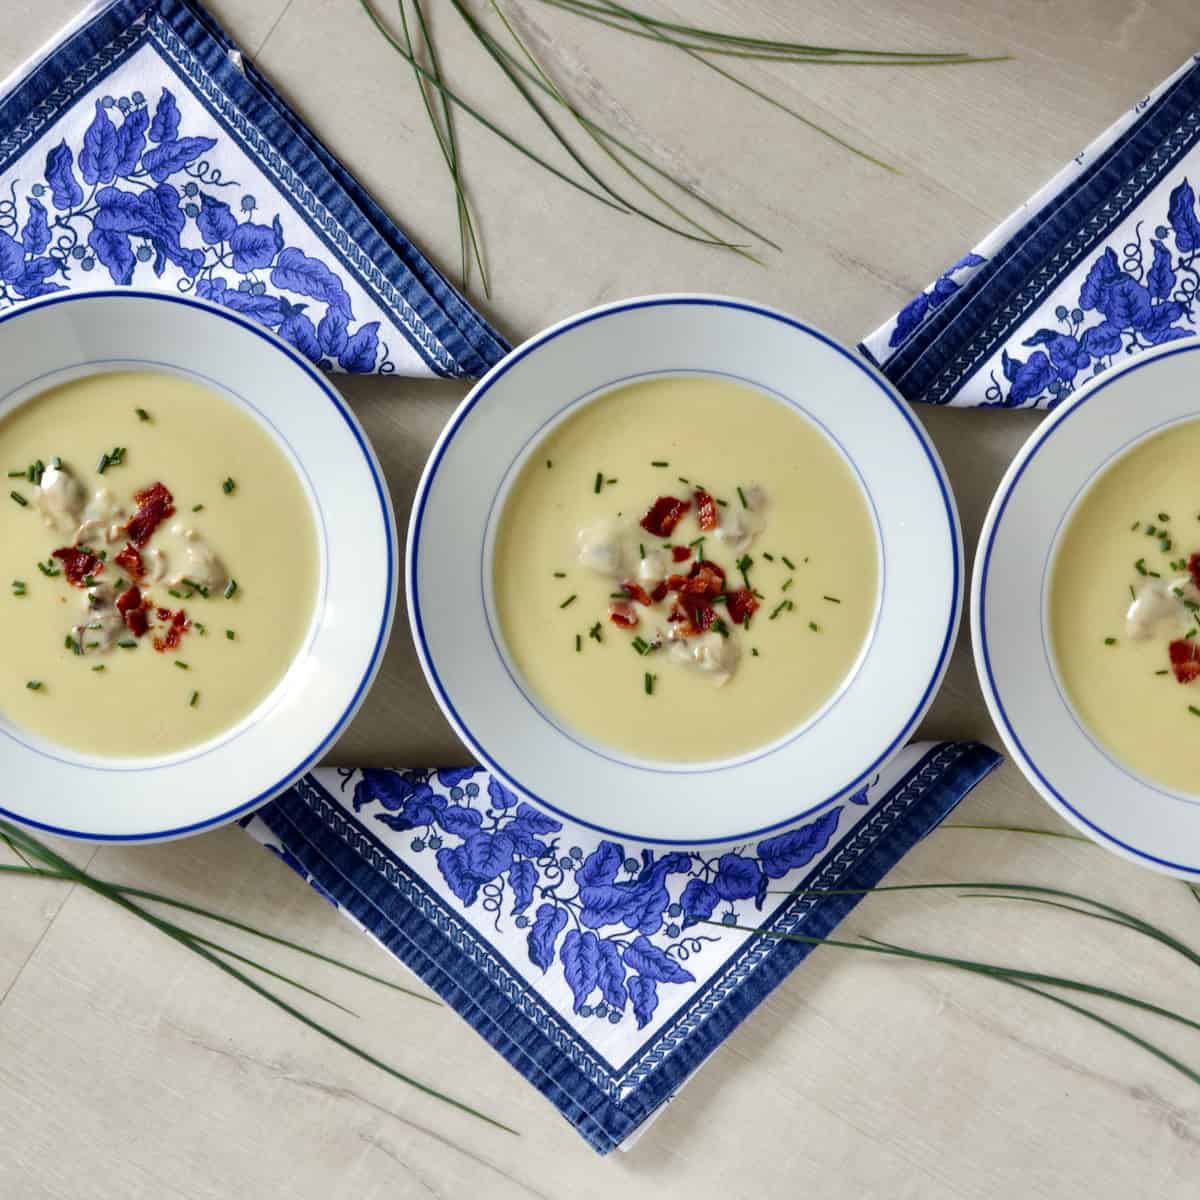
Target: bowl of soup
[(199, 565), (683, 569), (1086, 610)]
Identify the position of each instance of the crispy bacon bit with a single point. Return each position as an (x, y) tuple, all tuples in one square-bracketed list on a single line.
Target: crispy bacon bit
[(660, 592), (78, 564), (663, 515), (681, 553), (705, 579), (131, 606), (622, 613), (1194, 569), (696, 613), (179, 625), (706, 511), (154, 505), (636, 592), (130, 561), (741, 604), (1185, 659)]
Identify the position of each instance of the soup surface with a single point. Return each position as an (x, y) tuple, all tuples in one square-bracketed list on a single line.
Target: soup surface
[(160, 564), (685, 569), (1123, 602)]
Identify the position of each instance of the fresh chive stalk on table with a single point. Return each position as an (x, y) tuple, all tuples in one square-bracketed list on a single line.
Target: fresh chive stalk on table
[(595, 154)]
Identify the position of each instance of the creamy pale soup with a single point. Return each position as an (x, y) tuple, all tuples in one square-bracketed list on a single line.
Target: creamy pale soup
[(159, 564), (685, 569), (1124, 608)]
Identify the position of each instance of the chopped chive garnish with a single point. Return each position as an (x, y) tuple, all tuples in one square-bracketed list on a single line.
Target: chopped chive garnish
[(698, 541), (1150, 531), (1110, 641), (578, 643), (228, 486), (19, 499), (1154, 574), (17, 474), (98, 668), (787, 585), (831, 599), (720, 627), (1163, 517), (48, 568), (34, 685), (55, 461), (768, 557), (128, 644), (202, 630), (1164, 671), (814, 627), (1191, 605), (754, 651), (594, 632), (1178, 591), (1135, 526), (599, 482), (611, 596), (787, 562), (610, 482), (193, 699), (641, 550), (641, 645), (197, 508), (1194, 710), (722, 503), (659, 463), (230, 634), (569, 600), (778, 609), (649, 684), (742, 497), (1132, 593), (143, 415), (560, 574), (685, 482), (173, 592), (182, 665), (1191, 633), (549, 464), (92, 645), (230, 589)]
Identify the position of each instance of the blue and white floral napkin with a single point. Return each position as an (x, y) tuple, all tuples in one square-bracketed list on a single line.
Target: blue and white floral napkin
[(1102, 262), (142, 148), (605, 972)]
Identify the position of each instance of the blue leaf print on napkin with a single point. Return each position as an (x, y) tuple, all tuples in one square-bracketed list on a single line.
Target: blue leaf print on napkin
[(923, 303), (548, 924), (793, 849), (453, 865), (156, 202), (65, 192), (643, 992), (35, 237), (580, 957), (647, 959), (522, 878)]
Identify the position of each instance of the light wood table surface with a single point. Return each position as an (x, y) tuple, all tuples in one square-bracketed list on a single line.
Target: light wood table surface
[(130, 1069)]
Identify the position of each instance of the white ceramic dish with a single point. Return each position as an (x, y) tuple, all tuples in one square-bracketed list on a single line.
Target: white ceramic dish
[(1094, 791), (100, 798), (450, 591)]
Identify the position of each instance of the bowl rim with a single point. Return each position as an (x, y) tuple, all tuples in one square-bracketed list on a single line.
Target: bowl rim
[(979, 640), (659, 300), (390, 534)]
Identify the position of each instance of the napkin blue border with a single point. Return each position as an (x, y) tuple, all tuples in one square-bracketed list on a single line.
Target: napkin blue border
[(458, 342), (951, 344), (349, 865)]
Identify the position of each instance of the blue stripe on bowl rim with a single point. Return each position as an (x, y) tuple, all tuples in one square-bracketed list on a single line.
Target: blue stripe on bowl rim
[(389, 523), (979, 624), (669, 300)]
